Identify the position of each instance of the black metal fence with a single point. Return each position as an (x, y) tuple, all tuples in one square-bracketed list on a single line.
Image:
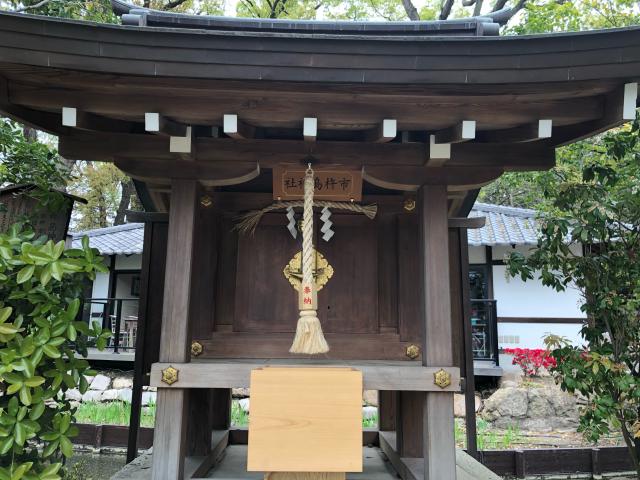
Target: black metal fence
[(484, 324), (120, 315)]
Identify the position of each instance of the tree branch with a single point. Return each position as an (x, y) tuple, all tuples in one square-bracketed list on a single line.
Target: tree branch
[(173, 4), (446, 9), (412, 11), (478, 8), (468, 3), (32, 7), (499, 5)]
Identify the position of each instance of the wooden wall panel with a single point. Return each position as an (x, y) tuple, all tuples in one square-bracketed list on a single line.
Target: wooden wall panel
[(409, 290), (265, 301), (226, 286), (387, 226), (349, 301)]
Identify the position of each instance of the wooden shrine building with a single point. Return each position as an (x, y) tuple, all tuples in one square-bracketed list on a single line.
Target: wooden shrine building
[(214, 118)]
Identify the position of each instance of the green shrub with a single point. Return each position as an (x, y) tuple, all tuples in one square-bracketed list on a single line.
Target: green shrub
[(41, 345)]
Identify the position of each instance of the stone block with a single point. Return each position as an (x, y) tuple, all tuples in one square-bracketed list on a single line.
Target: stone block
[(370, 397), (110, 395), (122, 382), (125, 395), (100, 382), (73, 394), (148, 398), (92, 396)]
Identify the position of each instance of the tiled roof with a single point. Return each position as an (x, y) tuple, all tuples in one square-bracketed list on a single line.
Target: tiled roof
[(504, 226), (124, 239)]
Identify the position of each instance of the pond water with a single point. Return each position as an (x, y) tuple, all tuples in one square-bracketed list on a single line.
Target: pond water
[(95, 466)]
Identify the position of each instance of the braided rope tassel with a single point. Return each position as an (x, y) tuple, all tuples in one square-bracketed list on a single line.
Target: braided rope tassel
[(309, 338)]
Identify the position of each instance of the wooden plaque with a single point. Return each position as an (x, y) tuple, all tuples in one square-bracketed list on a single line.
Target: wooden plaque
[(337, 184), (305, 420), (18, 205)]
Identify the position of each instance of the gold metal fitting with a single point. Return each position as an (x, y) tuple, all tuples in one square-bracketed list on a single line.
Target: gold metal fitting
[(409, 204), (206, 201), (170, 375), (413, 351), (196, 349), (442, 378)]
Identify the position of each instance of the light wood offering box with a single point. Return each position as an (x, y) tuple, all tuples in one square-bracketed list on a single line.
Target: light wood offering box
[(305, 420)]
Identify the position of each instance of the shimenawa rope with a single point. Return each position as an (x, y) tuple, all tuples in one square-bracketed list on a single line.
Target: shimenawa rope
[(309, 338)]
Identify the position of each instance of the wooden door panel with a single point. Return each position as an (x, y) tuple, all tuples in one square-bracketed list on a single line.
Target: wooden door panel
[(265, 301), (349, 302)]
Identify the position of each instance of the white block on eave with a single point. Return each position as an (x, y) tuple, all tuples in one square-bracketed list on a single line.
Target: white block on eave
[(310, 129), (545, 128), (152, 122), (468, 129), (69, 117), (230, 124), (438, 150), (630, 99), (389, 128), (181, 144)]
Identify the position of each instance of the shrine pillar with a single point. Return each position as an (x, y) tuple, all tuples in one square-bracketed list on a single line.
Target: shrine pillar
[(438, 422), (169, 438)]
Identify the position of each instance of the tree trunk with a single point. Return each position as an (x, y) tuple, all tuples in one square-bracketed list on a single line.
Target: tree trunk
[(30, 134), (128, 191), (412, 11)]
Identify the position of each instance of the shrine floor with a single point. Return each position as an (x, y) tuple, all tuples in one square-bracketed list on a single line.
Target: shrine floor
[(233, 466)]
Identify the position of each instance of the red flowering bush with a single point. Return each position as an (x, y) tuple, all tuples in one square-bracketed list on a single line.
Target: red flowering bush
[(531, 360)]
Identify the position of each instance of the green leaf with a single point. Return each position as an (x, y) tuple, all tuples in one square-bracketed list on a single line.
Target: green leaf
[(45, 276), (25, 395), (51, 352), (19, 434), (65, 446), (19, 472), (50, 448), (26, 273), (37, 410), (6, 444), (56, 270), (13, 388), (65, 423), (5, 313), (34, 382)]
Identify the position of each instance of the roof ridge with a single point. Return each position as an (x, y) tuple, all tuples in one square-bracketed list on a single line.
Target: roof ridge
[(107, 230), (508, 210)]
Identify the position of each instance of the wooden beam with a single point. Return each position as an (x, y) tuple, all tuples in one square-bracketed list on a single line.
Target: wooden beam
[(410, 178), (399, 375), (385, 132), (310, 129), (108, 147), (540, 130), (45, 121), (416, 110), (236, 128), (74, 118), (462, 132), (439, 443), (470, 222), (161, 125), (208, 173), (170, 430), (619, 106)]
